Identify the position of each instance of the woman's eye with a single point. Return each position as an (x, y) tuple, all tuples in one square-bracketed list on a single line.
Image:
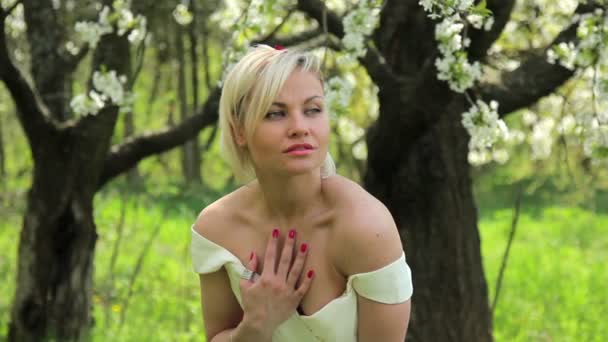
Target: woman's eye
[(313, 111), (274, 115)]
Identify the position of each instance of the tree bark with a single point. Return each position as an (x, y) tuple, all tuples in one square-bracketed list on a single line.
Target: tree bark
[(57, 243), (2, 153), (428, 191), (190, 150)]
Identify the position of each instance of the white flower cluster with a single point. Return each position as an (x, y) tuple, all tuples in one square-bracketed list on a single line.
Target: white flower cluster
[(258, 18), (454, 66), (591, 55), (358, 25), (182, 15), (338, 92), (592, 46), (593, 128), (107, 86), (120, 15), (485, 128), (481, 121), (541, 138)]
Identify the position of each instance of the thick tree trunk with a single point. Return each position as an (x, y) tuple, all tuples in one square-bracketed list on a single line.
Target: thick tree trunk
[(429, 194), (2, 153), (53, 299), (57, 243)]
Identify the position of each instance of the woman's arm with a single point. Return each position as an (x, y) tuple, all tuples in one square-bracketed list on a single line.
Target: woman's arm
[(394, 320), (371, 242), (222, 314)]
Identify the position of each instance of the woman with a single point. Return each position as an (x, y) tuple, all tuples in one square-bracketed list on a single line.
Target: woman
[(298, 253)]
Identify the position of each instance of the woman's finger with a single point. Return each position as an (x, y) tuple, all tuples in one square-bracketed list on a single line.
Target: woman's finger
[(271, 252), (252, 265), (305, 285), (286, 255), (298, 265)]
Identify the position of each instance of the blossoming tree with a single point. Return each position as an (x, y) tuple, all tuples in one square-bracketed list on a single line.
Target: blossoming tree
[(70, 142), (441, 107)]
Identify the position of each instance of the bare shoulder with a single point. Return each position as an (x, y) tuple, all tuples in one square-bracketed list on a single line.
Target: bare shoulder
[(366, 228), (212, 220)]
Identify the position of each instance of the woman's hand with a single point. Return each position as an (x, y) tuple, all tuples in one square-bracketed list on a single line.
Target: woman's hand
[(272, 298)]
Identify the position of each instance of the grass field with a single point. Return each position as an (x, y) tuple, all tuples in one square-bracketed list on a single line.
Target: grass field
[(554, 287)]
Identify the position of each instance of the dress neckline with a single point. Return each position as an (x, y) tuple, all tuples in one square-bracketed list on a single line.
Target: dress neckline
[(324, 307)]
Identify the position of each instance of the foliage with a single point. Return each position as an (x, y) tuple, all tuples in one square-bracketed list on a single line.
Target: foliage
[(541, 299)]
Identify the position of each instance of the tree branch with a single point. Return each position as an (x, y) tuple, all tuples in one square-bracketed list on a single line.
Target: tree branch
[(296, 39), (270, 36), (316, 9), (534, 78), (482, 40), (49, 68), (31, 113), (125, 156), (373, 60)]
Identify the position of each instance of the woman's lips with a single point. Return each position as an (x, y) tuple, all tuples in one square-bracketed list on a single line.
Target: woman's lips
[(299, 149), (301, 152)]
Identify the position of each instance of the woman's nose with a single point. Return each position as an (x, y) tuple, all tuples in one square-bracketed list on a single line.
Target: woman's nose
[(297, 125)]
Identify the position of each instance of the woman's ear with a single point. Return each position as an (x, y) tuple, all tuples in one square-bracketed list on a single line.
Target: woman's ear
[(239, 136)]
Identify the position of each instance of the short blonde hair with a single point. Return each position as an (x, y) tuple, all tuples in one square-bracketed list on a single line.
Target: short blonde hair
[(248, 92)]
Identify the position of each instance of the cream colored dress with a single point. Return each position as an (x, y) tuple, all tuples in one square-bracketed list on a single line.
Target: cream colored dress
[(337, 320)]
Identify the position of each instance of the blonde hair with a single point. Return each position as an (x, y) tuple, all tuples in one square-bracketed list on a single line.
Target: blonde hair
[(248, 92)]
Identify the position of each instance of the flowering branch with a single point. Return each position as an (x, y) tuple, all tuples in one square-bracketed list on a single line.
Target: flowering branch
[(536, 77)]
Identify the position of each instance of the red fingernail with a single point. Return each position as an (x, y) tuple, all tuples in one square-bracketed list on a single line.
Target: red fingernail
[(251, 256), (303, 248), (310, 273), (292, 234), (275, 233)]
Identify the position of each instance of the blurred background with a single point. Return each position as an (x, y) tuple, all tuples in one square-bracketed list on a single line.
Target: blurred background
[(132, 168)]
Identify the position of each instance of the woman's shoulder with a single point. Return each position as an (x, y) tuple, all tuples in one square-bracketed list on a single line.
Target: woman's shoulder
[(352, 200), (364, 226), (213, 219)]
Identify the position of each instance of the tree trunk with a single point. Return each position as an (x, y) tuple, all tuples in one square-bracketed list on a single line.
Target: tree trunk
[(428, 191), (190, 159), (57, 243), (2, 153)]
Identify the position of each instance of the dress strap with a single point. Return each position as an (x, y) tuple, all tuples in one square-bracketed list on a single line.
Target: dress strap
[(207, 256), (390, 284)]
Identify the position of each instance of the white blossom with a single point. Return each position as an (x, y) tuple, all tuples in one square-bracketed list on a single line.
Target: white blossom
[(182, 15), (483, 125), (541, 139), (90, 32), (84, 105), (500, 156), (110, 85), (338, 91)]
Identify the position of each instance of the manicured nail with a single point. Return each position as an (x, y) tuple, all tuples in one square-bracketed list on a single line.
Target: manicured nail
[(310, 273), (292, 233), (275, 233), (304, 247), (251, 256)]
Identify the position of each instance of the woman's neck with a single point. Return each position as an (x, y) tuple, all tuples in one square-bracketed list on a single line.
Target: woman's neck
[(287, 200)]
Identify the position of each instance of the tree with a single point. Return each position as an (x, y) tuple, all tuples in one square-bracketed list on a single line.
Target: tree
[(417, 151), (417, 156), (73, 159)]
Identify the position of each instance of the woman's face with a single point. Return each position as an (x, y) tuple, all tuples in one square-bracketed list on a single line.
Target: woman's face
[(292, 137)]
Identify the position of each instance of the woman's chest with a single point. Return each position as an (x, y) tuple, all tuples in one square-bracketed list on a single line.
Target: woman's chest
[(328, 283)]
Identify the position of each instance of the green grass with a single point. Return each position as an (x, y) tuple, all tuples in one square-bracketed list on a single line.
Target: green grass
[(553, 288)]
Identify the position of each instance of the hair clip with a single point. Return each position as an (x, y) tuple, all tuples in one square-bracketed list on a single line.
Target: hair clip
[(279, 47)]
